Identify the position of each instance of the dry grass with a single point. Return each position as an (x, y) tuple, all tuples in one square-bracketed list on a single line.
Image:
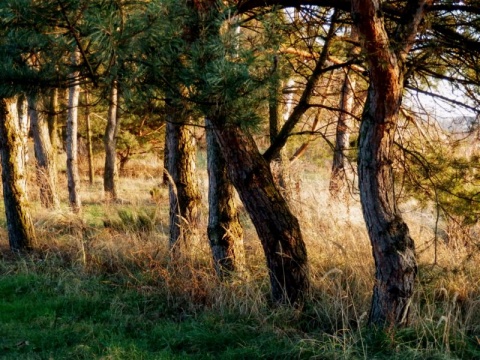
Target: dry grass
[(446, 309)]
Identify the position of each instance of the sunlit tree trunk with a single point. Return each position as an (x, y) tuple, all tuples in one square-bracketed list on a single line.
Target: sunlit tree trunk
[(110, 142), (44, 155), (21, 233), (393, 248), (184, 193), (342, 136), (23, 125), (338, 178), (225, 232), (73, 177)]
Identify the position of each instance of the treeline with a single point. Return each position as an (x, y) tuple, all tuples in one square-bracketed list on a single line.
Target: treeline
[(233, 68)]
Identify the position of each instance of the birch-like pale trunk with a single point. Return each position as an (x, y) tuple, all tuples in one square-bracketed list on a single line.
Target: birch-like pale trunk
[(45, 157), (110, 175), (91, 167), (73, 177)]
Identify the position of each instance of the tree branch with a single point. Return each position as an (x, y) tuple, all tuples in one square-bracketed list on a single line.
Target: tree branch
[(303, 105)]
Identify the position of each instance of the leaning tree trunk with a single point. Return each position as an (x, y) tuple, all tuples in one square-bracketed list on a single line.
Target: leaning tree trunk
[(393, 248), (46, 169), (110, 141), (224, 229), (277, 228), (184, 193), (73, 177), (21, 233)]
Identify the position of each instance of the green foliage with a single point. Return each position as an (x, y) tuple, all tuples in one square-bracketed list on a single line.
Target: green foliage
[(444, 175)]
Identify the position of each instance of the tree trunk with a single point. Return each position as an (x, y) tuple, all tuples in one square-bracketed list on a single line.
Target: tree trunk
[(339, 176), (21, 233), (393, 248), (45, 164), (23, 127), (52, 121), (224, 230), (277, 228), (91, 168), (165, 179), (184, 192), (338, 179), (73, 177), (278, 161), (110, 141)]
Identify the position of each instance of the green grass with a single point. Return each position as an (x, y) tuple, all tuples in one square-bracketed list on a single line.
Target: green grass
[(103, 286), (66, 315), (52, 311)]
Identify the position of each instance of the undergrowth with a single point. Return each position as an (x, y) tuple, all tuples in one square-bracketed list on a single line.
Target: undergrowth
[(104, 285)]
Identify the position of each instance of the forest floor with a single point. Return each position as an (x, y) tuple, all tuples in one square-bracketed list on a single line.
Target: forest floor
[(103, 286)]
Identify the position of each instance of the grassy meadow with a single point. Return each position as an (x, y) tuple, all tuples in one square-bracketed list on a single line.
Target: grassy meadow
[(102, 285)]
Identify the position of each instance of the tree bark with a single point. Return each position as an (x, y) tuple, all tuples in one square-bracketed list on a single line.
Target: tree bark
[(21, 233), (73, 177), (52, 121), (278, 161), (338, 179), (110, 141), (91, 168), (45, 163), (393, 248), (225, 232), (277, 228), (342, 137), (184, 193), (23, 127)]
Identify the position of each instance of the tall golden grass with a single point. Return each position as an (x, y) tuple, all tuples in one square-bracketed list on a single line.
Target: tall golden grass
[(447, 296)]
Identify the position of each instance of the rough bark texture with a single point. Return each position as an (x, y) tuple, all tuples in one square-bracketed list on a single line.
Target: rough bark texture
[(21, 233), (184, 193), (393, 248), (224, 230), (110, 142), (44, 155), (73, 178), (277, 228)]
